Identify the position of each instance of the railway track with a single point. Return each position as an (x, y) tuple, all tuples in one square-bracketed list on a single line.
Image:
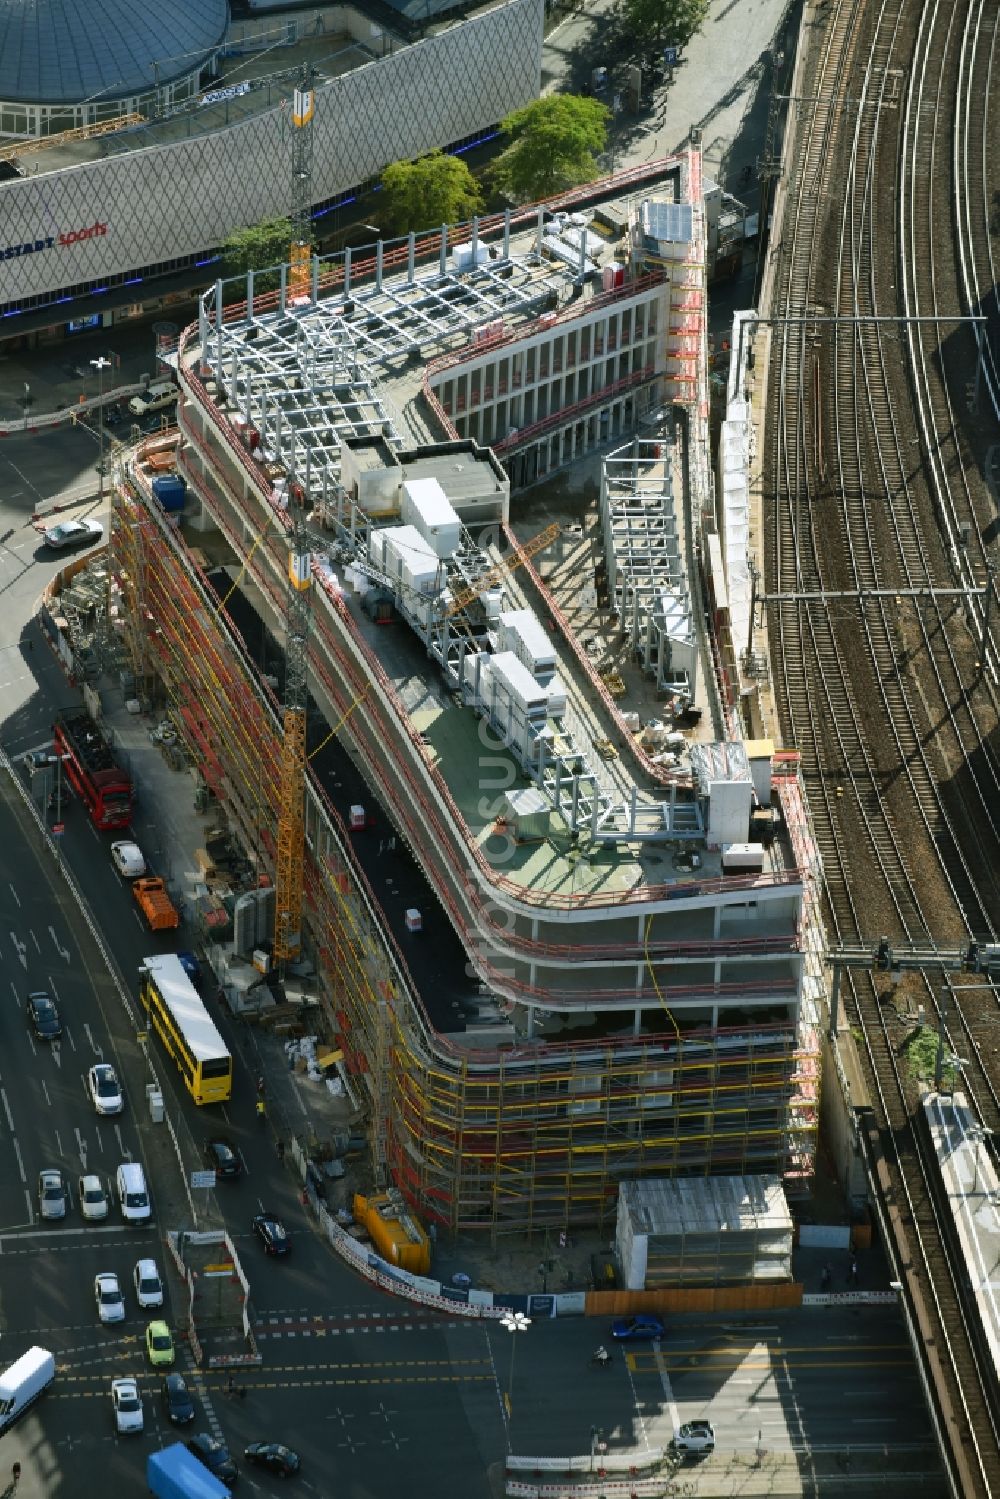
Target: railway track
[(893, 705)]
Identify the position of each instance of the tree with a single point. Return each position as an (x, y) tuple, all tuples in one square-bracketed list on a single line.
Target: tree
[(258, 247), (554, 143), (659, 23), (424, 194)]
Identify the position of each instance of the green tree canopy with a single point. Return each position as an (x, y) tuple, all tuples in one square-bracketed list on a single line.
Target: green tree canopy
[(554, 143), (258, 247), (424, 194), (661, 23)]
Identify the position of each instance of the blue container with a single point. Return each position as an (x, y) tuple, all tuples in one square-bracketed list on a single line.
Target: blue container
[(171, 491)]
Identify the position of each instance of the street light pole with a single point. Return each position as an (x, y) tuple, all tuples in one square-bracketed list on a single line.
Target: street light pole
[(100, 365), (514, 1322)]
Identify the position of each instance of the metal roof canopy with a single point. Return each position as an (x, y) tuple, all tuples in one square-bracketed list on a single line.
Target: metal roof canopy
[(670, 1206)]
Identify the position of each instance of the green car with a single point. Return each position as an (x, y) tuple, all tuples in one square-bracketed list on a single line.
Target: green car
[(159, 1343)]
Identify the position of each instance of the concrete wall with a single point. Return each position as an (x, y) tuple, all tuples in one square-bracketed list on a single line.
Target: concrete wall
[(125, 212)]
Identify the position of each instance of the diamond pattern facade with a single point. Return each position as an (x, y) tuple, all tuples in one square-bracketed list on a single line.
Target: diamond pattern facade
[(149, 206)]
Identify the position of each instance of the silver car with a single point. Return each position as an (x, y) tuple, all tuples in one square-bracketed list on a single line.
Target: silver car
[(51, 1193), (70, 534)]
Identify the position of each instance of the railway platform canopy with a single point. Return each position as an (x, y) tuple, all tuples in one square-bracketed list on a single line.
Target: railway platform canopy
[(971, 1188)]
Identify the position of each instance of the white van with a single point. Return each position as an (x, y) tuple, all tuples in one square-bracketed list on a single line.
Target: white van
[(133, 1197), (23, 1382), (161, 393)]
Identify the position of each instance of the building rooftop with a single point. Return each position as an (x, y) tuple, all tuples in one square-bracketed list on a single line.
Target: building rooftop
[(68, 51)]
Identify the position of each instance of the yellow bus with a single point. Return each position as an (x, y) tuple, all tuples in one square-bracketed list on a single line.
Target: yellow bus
[(186, 1029)]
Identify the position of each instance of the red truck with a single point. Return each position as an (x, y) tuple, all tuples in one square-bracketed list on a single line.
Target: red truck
[(90, 766)]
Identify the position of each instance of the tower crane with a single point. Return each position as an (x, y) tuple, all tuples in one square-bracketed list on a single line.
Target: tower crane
[(291, 816), (494, 575), (300, 250)]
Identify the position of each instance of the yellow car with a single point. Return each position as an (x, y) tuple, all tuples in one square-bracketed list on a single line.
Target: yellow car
[(159, 1343)]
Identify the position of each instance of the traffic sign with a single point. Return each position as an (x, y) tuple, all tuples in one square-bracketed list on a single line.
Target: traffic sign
[(669, 56), (202, 1179), (58, 828)]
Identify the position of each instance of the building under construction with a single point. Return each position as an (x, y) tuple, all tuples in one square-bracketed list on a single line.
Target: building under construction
[(560, 947)]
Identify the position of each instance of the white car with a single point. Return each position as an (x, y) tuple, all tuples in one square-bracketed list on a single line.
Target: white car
[(109, 1298), (148, 1286), (93, 1198), (104, 1089), (127, 1404), (127, 858), (695, 1437)]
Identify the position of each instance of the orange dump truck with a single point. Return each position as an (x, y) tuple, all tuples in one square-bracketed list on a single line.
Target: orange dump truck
[(394, 1231), (155, 903)]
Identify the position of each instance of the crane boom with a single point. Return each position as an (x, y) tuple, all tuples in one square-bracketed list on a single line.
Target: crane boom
[(67, 137), (465, 596)]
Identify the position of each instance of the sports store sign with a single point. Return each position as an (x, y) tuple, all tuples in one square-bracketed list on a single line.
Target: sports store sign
[(71, 237)]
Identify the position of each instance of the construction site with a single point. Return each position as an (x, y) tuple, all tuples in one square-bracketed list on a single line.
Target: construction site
[(551, 900)]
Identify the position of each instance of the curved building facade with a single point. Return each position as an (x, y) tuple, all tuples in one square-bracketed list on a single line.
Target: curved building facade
[(158, 208), (69, 63)]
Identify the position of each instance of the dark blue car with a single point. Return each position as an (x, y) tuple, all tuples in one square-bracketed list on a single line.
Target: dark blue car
[(640, 1328)]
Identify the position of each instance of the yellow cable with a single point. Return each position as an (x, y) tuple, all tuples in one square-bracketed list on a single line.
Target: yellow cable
[(645, 948), (337, 727)]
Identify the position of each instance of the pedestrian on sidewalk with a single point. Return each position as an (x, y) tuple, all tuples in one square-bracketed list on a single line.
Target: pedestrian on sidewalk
[(824, 1279), (281, 1150), (854, 1271), (231, 1386)]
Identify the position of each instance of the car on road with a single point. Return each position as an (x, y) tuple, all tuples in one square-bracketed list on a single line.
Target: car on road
[(639, 1328), (274, 1457), (176, 1400), (70, 534), (127, 1405), (272, 1233), (43, 1016), (93, 1198), (132, 1192), (159, 1344), (109, 1298), (221, 1154), (51, 1193), (127, 858), (694, 1437), (148, 1285), (104, 1089), (215, 1455)]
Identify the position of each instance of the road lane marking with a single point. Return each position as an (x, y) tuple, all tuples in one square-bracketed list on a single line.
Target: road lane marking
[(668, 1394), (20, 1167), (20, 949), (6, 1109), (17, 898), (62, 951)]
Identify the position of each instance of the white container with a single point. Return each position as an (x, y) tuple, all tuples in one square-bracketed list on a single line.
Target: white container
[(426, 507), (357, 817), (521, 632), (414, 920), (748, 856), (515, 681)]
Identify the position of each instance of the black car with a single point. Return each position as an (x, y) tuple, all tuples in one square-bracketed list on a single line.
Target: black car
[(215, 1456), (272, 1233), (274, 1457), (221, 1154), (44, 1017), (176, 1400)]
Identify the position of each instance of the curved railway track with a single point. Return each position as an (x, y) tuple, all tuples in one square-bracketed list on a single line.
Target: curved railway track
[(877, 441)]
